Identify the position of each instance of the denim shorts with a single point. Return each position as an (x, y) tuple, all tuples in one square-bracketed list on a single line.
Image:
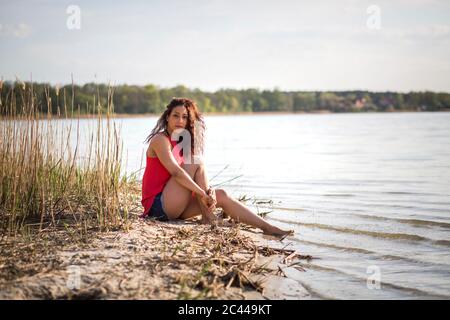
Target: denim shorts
[(156, 211)]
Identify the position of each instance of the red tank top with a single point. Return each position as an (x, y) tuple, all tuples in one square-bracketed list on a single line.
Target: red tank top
[(155, 179)]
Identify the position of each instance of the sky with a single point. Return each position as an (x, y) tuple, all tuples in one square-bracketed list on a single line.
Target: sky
[(401, 45)]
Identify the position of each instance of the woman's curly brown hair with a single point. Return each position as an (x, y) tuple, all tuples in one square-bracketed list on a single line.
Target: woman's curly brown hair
[(195, 124)]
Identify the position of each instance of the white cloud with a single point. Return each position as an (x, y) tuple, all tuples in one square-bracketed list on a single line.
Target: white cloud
[(20, 30)]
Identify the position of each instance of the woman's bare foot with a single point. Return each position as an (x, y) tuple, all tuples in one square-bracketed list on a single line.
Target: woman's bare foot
[(277, 232), (208, 216), (207, 211), (209, 219)]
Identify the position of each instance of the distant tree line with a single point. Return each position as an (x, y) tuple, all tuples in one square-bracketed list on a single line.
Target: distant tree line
[(132, 99)]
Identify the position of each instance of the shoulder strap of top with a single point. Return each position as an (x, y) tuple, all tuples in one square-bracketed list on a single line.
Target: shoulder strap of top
[(172, 142)]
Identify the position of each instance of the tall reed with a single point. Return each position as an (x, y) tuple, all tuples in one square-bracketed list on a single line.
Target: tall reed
[(53, 169)]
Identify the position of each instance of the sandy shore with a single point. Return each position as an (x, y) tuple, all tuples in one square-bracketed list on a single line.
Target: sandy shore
[(152, 260)]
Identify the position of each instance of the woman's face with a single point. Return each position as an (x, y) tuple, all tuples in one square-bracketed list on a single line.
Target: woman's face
[(177, 119)]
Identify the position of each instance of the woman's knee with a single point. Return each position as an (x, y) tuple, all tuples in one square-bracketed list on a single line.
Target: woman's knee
[(192, 168), (221, 196)]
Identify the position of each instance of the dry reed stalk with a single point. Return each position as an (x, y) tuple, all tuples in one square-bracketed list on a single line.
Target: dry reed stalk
[(44, 176)]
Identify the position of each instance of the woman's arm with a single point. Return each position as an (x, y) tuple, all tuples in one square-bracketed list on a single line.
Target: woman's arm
[(161, 146)]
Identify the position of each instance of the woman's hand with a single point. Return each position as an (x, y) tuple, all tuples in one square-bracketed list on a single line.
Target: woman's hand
[(208, 199), (208, 205), (212, 193)]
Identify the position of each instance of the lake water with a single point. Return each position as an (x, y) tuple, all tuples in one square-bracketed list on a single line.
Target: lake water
[(367, 194)]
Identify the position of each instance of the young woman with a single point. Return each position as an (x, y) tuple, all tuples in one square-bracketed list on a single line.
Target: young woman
[(173, 188)]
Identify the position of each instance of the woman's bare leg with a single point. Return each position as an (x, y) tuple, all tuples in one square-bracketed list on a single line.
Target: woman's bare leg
[(196, 207), (176, 197), (180, 204), (241, 213)]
